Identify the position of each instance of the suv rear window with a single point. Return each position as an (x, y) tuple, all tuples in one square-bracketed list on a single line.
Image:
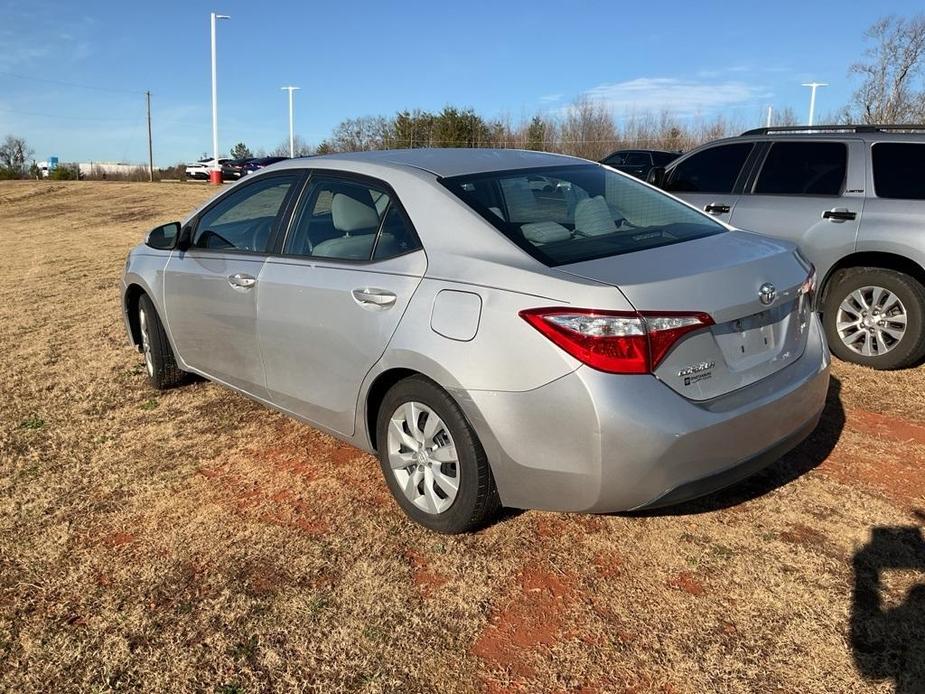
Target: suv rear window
[(570, 214), (803, 168), (898, 171)]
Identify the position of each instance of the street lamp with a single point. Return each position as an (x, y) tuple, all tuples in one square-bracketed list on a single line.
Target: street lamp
[(290, 89), (215, 176), (812, 98)]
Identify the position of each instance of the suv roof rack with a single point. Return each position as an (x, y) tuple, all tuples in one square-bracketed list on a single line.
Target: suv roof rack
[(832, 129)]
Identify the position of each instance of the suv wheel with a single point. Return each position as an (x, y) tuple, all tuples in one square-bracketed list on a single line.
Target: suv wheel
[(432, 460), (875, 317)]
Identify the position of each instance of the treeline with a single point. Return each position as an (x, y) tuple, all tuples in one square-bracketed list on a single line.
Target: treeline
[(586, 129)]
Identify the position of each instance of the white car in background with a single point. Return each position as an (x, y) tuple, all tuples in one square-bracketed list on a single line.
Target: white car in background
[(200, 170)]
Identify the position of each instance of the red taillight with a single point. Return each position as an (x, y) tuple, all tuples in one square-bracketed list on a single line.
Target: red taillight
[(624, 342)]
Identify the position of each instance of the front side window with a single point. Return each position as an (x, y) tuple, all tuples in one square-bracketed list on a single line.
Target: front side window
[(803, 168), (898, 171), (712, 170), (346, 220), (638, 159), (616, 159), (244, 220), (573, 213)]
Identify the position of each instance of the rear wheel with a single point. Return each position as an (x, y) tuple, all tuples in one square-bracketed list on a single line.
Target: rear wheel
[(875, 317), (160, 364), (432, 459)]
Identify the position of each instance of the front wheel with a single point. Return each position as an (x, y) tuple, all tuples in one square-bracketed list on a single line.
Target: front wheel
[(875, 317), (432, 459), (160, 364)]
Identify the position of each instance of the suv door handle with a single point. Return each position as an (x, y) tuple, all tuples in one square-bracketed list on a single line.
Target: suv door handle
[(716, 208), (380, 298), (242, 280), (839, 214)]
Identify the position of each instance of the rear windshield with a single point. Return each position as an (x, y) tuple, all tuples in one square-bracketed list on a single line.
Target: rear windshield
[(573, 213), (898, 170)]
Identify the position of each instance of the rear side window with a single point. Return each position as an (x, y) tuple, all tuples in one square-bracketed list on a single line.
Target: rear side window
[(713, 170), (244, 220), (616, 159), (637, 159), (898, 171), (803, 168), (346, 220)]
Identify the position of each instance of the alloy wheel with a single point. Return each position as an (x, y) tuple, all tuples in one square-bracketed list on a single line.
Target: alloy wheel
[(871, 321)]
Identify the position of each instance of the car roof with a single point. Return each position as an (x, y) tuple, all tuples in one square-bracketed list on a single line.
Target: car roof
[(444, 162)]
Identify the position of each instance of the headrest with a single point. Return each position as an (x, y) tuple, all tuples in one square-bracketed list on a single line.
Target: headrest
[(593, 217), (352, 215), (545, 232)]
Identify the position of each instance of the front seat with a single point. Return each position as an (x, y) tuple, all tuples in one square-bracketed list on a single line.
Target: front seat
[(359, 223)]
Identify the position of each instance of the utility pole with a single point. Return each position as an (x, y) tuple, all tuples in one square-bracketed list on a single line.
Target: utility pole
[(290, 89), (215, 166), (812, 98), (150, 144)]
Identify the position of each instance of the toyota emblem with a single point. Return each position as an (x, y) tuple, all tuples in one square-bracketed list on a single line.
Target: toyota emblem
[(767, 292)]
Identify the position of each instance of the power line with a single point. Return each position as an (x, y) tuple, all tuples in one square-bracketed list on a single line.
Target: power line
[(70, 84), (3, 109)]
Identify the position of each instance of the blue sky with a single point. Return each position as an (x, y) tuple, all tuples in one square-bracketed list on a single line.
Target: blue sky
[(504, 58)]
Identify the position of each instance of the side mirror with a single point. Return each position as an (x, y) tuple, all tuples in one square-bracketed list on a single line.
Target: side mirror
[(163, 238), (656, 176)]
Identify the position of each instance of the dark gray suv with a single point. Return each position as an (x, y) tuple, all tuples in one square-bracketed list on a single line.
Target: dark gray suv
[(853, 198)]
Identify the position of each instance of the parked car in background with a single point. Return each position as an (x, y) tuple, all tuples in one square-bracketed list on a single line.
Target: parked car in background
[(233, 169), (853, 198), (200, 169), (638, 162), (261, 162), (501, 327)]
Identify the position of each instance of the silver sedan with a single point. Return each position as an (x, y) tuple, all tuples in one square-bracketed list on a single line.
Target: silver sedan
[(502, 328)]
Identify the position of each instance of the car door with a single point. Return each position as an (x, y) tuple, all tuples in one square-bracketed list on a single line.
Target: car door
[(330, 302), (810, 192), (637, 164), (712, 178), (209, 288)]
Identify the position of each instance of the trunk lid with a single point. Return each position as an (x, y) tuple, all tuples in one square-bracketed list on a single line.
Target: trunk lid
[(721, 275)]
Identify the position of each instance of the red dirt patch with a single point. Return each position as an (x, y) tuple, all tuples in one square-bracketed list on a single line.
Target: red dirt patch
[(800, 534), (686, 582), (534, 618), (343, 454), (119, 539), (877, 424), (423, 576), (608, 564)]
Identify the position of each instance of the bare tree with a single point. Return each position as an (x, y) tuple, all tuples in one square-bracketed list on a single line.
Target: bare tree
[(587, 130), (892, 90), (13, 155), (300, 148)]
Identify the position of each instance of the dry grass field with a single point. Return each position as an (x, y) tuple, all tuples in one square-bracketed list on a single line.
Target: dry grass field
[(195, 541)]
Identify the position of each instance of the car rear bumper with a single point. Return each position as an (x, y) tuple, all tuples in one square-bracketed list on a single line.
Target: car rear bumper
[(598, 442)]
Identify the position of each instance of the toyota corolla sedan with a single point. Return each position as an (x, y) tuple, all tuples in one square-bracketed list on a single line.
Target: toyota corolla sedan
[(501, 328)]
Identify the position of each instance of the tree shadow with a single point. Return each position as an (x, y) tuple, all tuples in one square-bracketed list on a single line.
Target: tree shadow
[(805, 457), (888, 643)]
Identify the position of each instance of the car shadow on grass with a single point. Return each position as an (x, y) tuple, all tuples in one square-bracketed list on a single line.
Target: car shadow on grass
[(805, 457), (888, 641)]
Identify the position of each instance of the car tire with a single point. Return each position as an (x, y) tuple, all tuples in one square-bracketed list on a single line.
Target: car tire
[(850, 293), (160, 364), (423, 488)]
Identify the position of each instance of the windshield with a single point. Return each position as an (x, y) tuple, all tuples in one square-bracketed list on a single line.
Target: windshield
[(569, 214)]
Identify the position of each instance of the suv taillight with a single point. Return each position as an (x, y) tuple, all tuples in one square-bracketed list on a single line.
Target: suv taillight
[(621, 342)]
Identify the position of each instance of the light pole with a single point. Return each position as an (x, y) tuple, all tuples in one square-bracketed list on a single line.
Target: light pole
[(290, 89), (812, 97), (215, 167)]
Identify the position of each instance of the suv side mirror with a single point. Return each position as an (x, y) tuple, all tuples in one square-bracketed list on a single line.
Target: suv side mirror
[(656, 176), (163, 238)]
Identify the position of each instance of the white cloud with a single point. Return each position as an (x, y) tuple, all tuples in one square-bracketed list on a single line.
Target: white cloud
[(681, 97), (550, 98)]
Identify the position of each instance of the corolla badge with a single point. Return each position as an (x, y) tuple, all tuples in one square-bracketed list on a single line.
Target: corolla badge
[(767, 292)]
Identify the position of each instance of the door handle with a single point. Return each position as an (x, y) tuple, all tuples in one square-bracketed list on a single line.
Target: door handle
[(381, 298), (839, 214), (716, 208), (242, 280)]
